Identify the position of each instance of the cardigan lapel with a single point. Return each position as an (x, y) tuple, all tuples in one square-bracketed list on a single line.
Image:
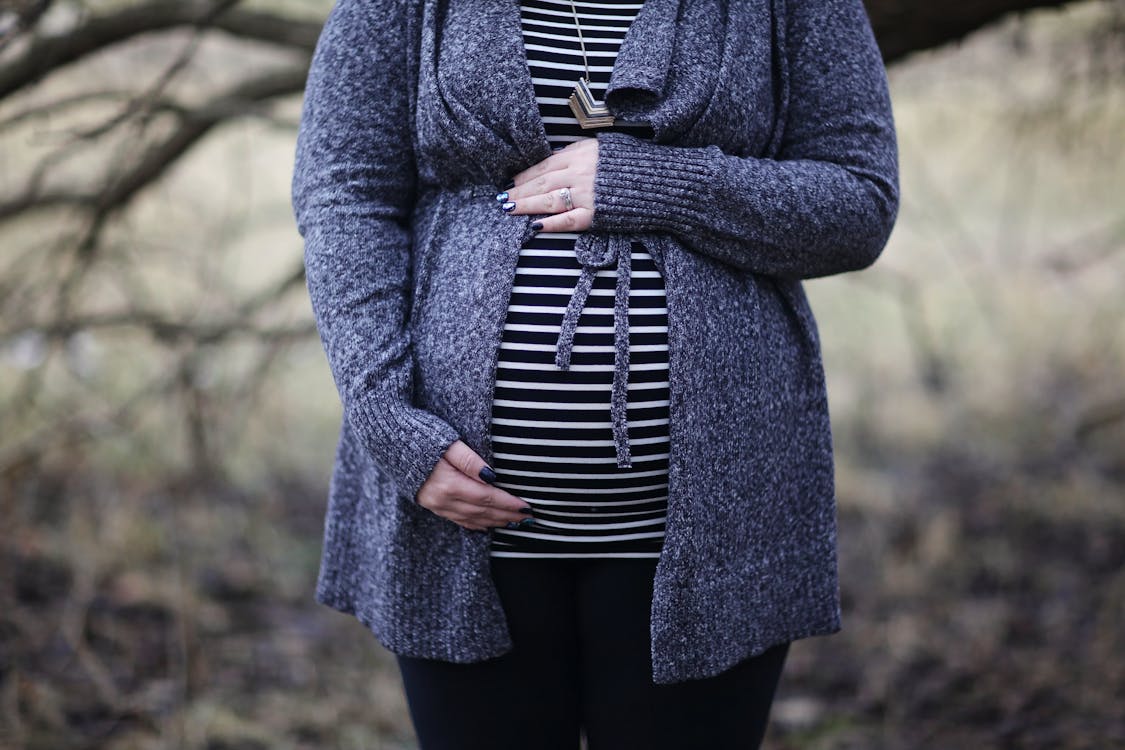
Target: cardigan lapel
[(636, 82), (476, 91), (640, 70)]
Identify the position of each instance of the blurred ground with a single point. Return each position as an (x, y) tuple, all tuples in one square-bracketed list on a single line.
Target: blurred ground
[(159, 551)]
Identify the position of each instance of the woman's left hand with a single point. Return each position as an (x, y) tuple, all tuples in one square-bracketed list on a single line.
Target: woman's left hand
[(537, 187)]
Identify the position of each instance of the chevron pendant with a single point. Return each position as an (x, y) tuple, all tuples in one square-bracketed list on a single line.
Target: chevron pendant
[(589, 112)]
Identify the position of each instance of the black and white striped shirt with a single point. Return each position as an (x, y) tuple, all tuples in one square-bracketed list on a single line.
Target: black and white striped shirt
[(552, 434)]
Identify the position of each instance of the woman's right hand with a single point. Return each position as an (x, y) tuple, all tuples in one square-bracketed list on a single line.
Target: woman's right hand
[(456, 490)]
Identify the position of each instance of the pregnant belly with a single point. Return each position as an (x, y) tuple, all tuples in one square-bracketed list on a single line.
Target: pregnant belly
[(551, 428)]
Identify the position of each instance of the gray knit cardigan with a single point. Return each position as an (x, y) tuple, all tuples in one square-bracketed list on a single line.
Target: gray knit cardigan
[(774, 160)]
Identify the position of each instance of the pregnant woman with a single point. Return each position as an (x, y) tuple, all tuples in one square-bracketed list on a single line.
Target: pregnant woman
[(584, 486)]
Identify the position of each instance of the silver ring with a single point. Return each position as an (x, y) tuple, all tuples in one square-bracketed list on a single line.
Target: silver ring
[(564, 193)]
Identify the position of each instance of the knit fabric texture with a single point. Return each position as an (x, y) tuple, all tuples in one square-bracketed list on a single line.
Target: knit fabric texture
[(773, 160)]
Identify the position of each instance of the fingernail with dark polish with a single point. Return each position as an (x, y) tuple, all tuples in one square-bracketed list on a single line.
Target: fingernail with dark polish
[(502, 196), (536, 225), (526, 523), (508, 205), (526, 509), (511, 525), (510, 185), (487, 474)]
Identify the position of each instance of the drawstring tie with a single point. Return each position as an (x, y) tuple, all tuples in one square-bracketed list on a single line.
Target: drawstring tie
[(593, 251)]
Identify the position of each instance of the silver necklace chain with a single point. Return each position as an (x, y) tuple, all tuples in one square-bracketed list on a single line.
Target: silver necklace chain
[(581, 42)]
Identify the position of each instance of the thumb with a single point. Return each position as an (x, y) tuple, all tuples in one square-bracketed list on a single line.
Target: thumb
[(468, 462)]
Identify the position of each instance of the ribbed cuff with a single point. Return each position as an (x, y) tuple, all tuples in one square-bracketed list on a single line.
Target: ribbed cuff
[(650, 187), (405, 441)]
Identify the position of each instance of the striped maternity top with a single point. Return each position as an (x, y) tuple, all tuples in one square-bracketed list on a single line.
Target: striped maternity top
[(551, 428)]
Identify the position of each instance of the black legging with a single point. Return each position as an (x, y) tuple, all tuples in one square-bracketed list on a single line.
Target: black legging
[(581, 660)]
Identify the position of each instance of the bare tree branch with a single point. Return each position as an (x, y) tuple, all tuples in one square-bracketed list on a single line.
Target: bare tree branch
[(120, 188), (61, 104), (17, 16), (1100, 417), (168, 330), (46, 54)]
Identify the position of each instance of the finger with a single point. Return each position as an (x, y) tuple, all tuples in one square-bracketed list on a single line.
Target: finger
[(556, 161), (514, 508), (540, 185), (569, 221), (461, 488), (468, 462), (468, 513), (504, 505), (551, 201), (477, 517), (541, 194), (583, 151)]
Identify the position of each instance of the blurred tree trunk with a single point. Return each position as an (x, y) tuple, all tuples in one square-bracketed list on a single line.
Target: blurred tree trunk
[(905, 26)]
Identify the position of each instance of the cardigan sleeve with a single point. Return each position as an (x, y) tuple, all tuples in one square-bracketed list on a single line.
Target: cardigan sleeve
[(826, 204), (353, 189)]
